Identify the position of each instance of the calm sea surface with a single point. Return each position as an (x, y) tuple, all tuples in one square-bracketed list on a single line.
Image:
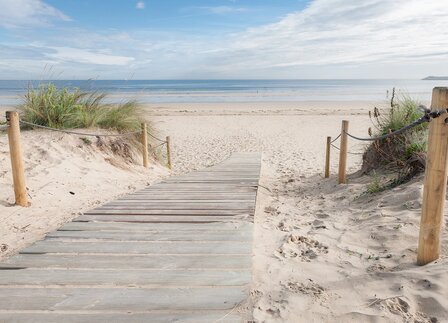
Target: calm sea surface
[(178, 91)]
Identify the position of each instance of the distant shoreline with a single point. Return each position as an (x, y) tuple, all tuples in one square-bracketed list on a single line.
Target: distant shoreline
[(435, 78)]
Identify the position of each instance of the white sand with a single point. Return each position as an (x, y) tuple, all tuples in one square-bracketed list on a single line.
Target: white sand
[(322, 252)]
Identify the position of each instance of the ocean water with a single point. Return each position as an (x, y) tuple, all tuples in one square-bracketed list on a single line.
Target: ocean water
[(178, 91)]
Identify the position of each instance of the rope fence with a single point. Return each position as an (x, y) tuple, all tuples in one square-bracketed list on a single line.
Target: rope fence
[(17, 164), (84, 134), (427, 116), (435, 183)]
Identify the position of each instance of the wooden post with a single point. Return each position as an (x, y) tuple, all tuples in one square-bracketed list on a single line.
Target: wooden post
[(15, 149), (435, 182), (343, 153), (145, 144), (327, 158), (168, 152)]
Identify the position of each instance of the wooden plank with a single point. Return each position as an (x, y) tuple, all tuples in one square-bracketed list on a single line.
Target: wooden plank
[(152, 236), (179, 205), (107, 277), (107, 317), (130, 211), (122, 299), (167, 208), (162, 218), (141, 247), (173, 227), (169, 262)]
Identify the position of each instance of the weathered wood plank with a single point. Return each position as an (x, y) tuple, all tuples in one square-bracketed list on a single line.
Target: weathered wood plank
[(162, 218), (152, 236), (169, 262), (129, 299), (130, 211), (140, 247), (173, 227), (108, 277), (178, 206)]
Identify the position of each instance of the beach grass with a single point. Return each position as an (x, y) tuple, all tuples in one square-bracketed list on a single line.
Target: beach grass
[(64, 108), (403, 153)]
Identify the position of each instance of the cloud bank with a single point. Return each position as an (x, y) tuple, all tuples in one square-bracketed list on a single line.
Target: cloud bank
[(327, 39), (20, 13)]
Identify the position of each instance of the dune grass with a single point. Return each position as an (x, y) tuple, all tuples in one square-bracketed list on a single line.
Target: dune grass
[(403, 154), (64, 108)]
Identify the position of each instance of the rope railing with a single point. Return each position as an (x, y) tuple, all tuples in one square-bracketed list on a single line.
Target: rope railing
[(17, 164), (426, 117), (86, 134)]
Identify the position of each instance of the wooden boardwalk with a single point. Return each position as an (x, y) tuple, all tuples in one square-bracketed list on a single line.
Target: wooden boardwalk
[(178, 251)]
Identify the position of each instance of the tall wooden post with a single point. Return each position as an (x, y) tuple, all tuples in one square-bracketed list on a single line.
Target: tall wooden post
[(17, 165), (435, 182), (327, 158), (168, 151), (145, 144), (343, 153)]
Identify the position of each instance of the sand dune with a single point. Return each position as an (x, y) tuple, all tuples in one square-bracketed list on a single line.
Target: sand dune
[(65, 175)]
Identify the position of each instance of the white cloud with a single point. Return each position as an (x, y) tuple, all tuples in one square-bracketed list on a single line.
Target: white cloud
[(87, 56), (140, 5), (19, 13), (343, 32)]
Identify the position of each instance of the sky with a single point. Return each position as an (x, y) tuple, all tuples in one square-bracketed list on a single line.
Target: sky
[(223, 39)]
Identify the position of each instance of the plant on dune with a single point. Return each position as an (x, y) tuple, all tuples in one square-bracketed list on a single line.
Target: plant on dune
[(49, 106), (72, 108), (404, 153), (123, 116)]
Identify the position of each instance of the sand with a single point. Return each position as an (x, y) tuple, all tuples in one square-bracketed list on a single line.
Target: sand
[(322, 252), (65, 176)]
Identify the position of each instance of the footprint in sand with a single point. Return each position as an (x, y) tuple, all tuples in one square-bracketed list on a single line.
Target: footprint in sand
[(282, 226), (398, 306), (301, 247), (322, 215), (376, 268)]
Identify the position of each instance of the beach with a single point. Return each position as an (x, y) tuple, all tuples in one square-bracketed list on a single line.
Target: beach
[(322, 252)]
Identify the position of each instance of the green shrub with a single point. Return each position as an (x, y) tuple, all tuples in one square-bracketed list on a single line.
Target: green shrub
[(404, 153), (64, 109)]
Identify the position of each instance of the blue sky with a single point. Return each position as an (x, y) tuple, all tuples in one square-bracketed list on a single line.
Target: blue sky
[(222, 39)]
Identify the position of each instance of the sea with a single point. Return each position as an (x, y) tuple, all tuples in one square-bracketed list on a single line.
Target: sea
[(211, 91)]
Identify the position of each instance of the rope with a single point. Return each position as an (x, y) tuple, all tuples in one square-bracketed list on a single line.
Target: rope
[(428, 115), (154, 137), (336, 147), (159, 145), (336, 138), (80, 133)]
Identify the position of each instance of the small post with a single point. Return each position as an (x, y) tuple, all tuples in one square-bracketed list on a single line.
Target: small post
[(435, 182), (145, 144), (17, 165), (168, 151), (327, 158), (343, 153)]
